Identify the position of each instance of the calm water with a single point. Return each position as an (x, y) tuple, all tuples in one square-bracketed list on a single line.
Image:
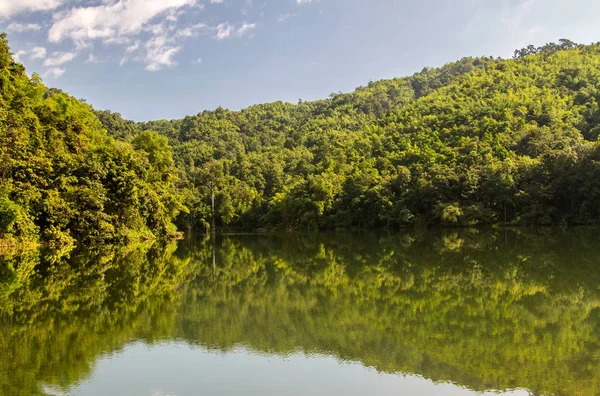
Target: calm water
[(415, 313)]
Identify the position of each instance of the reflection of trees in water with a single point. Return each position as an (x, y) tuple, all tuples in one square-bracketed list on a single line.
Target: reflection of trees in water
[(59, 319), (487, 310)]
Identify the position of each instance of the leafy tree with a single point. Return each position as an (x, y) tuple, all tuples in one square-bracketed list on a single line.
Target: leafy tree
[(63, 178)]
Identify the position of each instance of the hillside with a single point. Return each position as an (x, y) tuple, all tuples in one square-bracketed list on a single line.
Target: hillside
[(478, 141)]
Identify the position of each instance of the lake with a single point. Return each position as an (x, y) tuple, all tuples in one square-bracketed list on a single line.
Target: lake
[(441, 312)]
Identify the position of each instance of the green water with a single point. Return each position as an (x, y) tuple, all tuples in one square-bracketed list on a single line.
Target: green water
[(418, 313)]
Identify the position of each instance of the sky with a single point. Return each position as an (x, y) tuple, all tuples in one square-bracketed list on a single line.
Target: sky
[(164, 59)]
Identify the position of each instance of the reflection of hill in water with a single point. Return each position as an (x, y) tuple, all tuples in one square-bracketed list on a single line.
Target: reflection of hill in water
[(491, 310)]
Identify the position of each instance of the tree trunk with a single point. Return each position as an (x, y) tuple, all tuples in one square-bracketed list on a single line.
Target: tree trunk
[(214, 254), (212, 199)]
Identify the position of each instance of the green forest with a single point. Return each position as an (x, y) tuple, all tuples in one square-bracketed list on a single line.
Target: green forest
[(479, 141)]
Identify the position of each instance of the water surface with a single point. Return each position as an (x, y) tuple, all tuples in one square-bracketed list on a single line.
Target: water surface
[(423, 313)]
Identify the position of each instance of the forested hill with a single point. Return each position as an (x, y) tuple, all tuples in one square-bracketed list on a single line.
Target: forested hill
[(478, 141)]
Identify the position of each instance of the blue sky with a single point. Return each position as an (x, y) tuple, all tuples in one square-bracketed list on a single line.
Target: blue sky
[(153, 59)]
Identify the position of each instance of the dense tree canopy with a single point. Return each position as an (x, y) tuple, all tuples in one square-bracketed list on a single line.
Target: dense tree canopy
[(62, 177), (478, 141)]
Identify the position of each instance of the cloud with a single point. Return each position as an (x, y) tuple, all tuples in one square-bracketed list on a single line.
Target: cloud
[(34, 53), (38, 53), (55, 72), (17, 55), (199, 60), (159, 53), (284, 17), (306, 1), (10, 8), (225, 30), (245, 28), (117, 19), (58, 58), (110, 40), (146, 30), (191, 31), (174, 14), (92, 59), (22, 27), (133, 46)]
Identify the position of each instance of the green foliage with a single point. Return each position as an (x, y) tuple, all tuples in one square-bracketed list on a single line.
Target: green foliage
[(14, 221), (63, 178), (478, 141)]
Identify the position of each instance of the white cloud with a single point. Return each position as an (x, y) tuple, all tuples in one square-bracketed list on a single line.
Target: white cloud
[(225, 30), (121, 18), (245, 28), (55, 72), (133, 46), (17, 55), (174, 14), (199, 60), (306, 1), (191, 31), (9, 8), (158, 28), (284, 17), (34, 53), (159, 53), (110, 40), (92, 59), (146, 30), (58, 58), (38, 53), (22, 27)]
